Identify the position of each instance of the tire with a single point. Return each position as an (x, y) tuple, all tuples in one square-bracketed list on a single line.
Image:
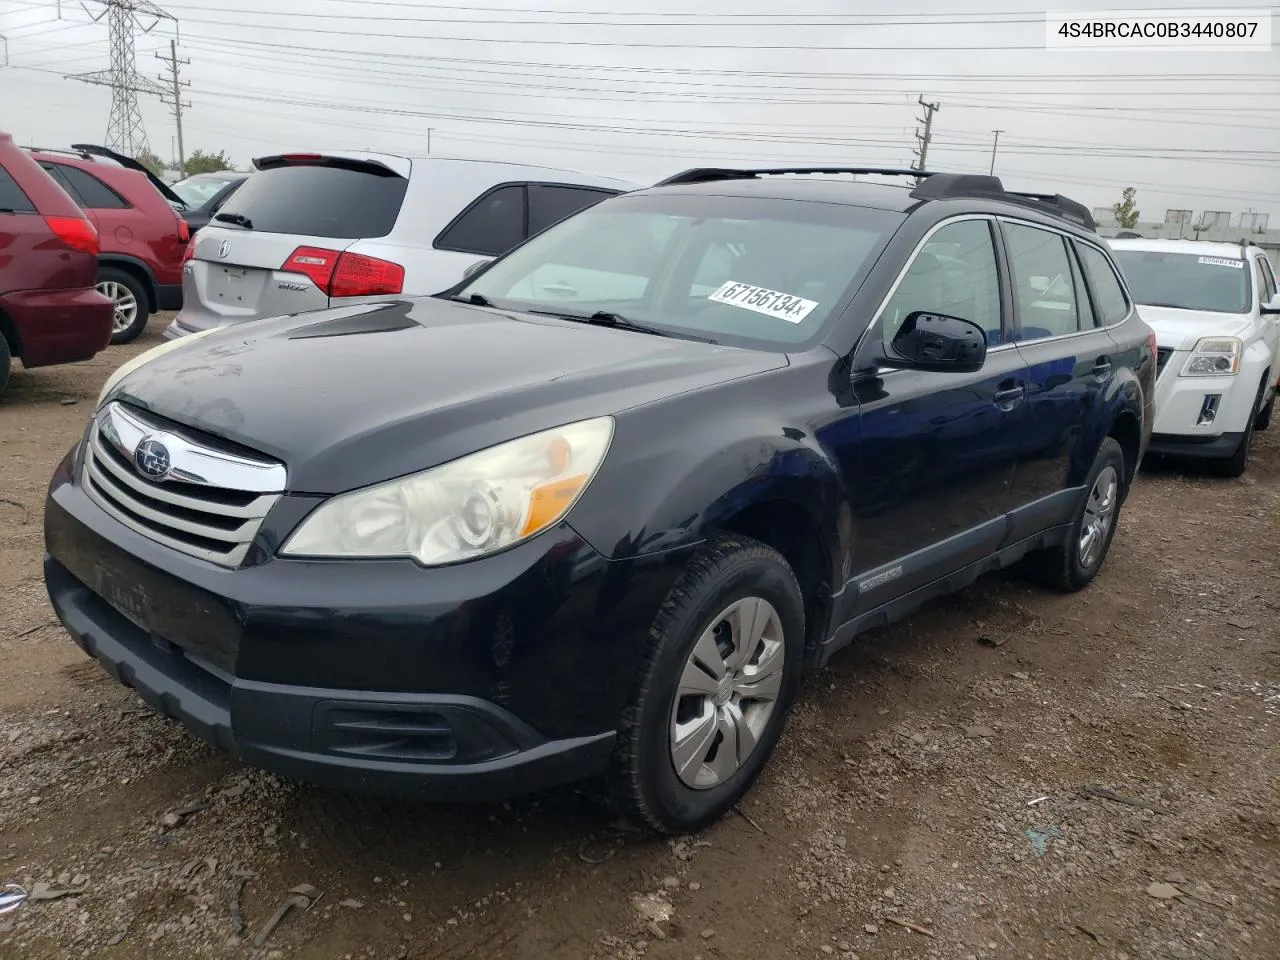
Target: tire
[(1263, 420), (5, 358), (1072, 564), (130, 297), (735, 588), (1236, 464)]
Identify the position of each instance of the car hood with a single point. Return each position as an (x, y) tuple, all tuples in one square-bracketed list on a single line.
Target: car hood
[(363, 393), (1180, 329)]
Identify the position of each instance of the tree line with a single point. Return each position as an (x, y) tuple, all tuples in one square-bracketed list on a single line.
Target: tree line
[(200, 161)]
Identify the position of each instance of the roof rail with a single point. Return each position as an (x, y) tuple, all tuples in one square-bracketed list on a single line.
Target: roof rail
[(710, 174), (945, 185), (930, 186), (70, 153), (1246, 243)]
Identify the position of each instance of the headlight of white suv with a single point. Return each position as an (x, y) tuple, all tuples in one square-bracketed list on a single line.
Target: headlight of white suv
[(1214, 357), (473, 506)]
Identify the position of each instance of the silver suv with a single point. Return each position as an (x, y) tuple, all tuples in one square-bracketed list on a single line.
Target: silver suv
[(311, 230)]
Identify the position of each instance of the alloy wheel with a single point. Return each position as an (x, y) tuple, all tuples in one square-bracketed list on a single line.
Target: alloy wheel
[(727, 692), (1099, 514), (124, 302)]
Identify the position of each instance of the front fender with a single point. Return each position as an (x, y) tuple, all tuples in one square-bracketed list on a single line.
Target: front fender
[(669, 482)]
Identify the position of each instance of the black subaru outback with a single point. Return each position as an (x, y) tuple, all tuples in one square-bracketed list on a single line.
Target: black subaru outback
[(594, 512)]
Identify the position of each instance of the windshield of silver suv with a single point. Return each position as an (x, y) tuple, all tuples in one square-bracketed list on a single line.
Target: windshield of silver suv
[(1186, 281), (762, 271)]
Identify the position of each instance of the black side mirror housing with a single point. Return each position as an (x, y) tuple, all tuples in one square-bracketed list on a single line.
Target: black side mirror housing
[(936, 342)]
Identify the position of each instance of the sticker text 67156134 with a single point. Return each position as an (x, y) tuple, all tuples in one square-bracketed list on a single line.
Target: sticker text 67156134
[(772, 303)]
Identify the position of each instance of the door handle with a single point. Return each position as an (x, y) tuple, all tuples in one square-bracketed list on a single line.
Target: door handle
[(1102, 367), (1009, 397)]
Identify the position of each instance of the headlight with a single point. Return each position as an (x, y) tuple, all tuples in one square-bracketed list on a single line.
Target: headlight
[(146, 357), (465, 509), (1214, 357)]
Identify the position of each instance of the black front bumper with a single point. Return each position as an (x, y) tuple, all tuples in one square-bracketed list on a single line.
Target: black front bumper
[(461, 683), (470, 749), (1200, 448)]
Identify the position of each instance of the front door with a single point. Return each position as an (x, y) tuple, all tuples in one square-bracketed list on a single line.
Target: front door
[(1061, 333), (931, 487)]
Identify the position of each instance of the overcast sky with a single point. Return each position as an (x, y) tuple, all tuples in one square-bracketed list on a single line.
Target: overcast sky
[(641, 88)]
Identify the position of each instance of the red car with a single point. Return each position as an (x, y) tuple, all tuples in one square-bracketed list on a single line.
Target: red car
[(142, 235), (49, 310)]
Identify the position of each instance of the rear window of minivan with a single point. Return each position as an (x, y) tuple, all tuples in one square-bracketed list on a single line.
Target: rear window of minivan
[(320, 201)]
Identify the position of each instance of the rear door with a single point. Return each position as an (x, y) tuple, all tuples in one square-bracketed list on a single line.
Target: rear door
[(273, 246), (1070, 359)]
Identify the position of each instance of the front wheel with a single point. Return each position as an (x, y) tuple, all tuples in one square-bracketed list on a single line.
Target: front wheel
[(1073, 564), (129, 302), (722, 668), (1263, 419)]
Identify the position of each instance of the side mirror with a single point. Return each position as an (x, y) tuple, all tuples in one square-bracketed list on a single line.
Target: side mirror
[(475, 268), (936, 342), (1272, 307)]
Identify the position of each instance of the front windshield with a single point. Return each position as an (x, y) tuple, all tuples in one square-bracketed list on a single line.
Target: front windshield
[(757, 271), (196, 191), (1187, 281)]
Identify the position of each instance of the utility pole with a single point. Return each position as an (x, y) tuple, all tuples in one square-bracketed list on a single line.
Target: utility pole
[(176, 104), (922, 152), (994, 143), (125, 132)]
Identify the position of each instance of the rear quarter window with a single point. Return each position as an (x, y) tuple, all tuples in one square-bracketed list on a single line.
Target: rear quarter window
[(1109, 302), (320, 201), (92, 193), (12, 197)]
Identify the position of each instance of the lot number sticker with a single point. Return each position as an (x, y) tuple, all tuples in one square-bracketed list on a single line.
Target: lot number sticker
[(1222, 262), (771, 303)]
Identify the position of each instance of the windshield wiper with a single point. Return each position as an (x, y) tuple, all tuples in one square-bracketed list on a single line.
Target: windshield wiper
[(606, 318), (239, 219), (475, 299)]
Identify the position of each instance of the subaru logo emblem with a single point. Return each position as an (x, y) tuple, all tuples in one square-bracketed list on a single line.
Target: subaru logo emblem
[(152, 459), (224, 249)]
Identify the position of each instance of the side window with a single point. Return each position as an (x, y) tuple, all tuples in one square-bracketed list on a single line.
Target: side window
[(550, 204), (91, 191), (953, 273), (1042, 280), (490, 227), (1109, 300), (1266, 282), (55, 170), (12, 197)]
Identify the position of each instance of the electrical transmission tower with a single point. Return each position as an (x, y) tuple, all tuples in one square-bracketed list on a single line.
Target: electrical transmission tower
[(922, 152), (125, 133)]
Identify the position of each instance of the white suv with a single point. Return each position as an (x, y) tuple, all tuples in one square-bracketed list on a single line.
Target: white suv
[(1216, 315), (312, 230)]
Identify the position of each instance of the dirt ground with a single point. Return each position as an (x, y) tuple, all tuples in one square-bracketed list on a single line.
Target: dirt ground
[(1009, 773)]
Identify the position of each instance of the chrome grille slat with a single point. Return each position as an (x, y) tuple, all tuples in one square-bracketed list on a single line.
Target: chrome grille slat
[(155, 491), (211, 529)]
